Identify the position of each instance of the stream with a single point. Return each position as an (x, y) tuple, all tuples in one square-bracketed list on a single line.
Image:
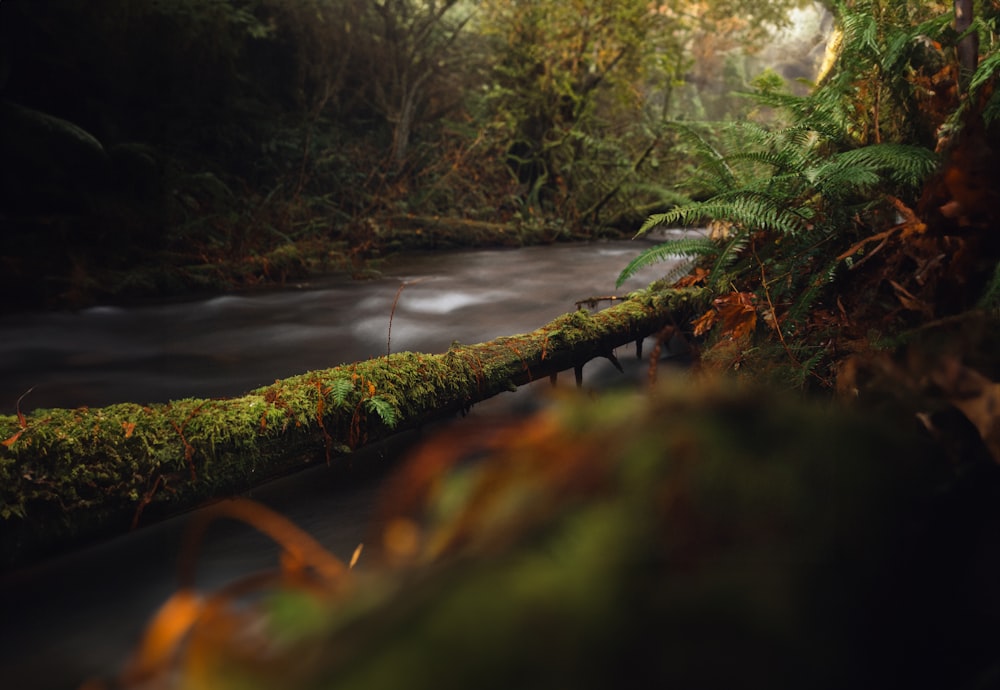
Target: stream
[(77, 616)]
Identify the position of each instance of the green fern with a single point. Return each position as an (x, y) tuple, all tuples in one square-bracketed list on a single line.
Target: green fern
[(687, 247), (341, 389), (717, 278), (906, 166), (720, 175), (814, 289), (385, 410)]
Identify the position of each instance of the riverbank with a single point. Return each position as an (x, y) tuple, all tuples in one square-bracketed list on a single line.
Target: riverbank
[(42, 278)]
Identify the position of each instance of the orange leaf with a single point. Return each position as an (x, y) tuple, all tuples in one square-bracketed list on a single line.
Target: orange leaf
[(10, 442), (705, 322), (696, 277), (738, 314)]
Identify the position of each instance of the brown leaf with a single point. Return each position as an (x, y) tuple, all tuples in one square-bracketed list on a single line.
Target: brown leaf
[(703, 324), (696, 277), (738, 314)]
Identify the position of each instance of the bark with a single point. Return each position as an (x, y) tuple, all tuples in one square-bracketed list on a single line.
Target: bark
[(71, 476), (968, 46)]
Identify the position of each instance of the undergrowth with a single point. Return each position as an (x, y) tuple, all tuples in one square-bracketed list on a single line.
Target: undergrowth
[(796, 204)]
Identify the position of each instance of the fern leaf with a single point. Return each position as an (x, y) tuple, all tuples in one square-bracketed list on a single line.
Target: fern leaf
[(721, 175), (674, 249), (341, 388), (384, 409), (755, 210), (840, 178), (687, 215), (986, 71), (903, 164), (730, 252)]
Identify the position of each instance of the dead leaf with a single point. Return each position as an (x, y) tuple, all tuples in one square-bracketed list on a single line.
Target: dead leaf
[(703, 324), (738, 314), (695, 277)]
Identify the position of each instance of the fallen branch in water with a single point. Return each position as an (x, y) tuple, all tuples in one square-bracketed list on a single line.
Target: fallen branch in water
[(71, 476)]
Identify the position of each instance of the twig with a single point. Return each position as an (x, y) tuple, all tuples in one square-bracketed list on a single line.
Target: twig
[(774, 314), (392, 312), (17, 407), (591, 302)]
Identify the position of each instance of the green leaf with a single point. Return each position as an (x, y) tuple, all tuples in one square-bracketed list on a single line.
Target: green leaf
[(666, 251), (340, 389), (384, 409)]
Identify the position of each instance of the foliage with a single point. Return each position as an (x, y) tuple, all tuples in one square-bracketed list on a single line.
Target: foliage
[(233, 129), (788, 184), (569, 93), (836, 169)]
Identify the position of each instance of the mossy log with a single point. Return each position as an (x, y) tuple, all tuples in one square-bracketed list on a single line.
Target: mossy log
[(69, 476)]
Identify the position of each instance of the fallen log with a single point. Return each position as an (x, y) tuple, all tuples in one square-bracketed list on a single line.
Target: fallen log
[(72, 476)]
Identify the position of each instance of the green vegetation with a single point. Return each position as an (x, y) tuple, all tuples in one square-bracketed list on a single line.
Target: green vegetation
[(890, 152), (157, 148), (70, 476), (715, 534)]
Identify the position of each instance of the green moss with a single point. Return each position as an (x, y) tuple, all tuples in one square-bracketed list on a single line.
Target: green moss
[(71, 474)]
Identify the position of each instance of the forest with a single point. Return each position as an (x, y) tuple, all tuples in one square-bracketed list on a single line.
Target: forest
[(161, 148), (816, 502)]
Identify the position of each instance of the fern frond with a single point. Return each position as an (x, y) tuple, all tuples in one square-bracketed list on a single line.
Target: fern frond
[(860, 29), (385, 410), (341, 388), (839, 178), (905, 165), (804, 302), (673, 249), (986, 71), (711, 159), (783, 160), (687, 215), (747, 208), (730, 252), (755, 210)]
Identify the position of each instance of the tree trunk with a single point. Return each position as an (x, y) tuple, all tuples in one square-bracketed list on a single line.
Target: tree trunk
[(70, 476), (968, 47)]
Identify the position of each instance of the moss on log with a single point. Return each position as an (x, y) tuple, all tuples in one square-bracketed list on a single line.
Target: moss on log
[(69, 476)]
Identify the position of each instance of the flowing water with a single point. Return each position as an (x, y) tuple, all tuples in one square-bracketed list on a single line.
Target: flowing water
[(77, 616)]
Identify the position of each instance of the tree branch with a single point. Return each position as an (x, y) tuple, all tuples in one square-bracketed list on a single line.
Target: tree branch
[(70, 476)]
